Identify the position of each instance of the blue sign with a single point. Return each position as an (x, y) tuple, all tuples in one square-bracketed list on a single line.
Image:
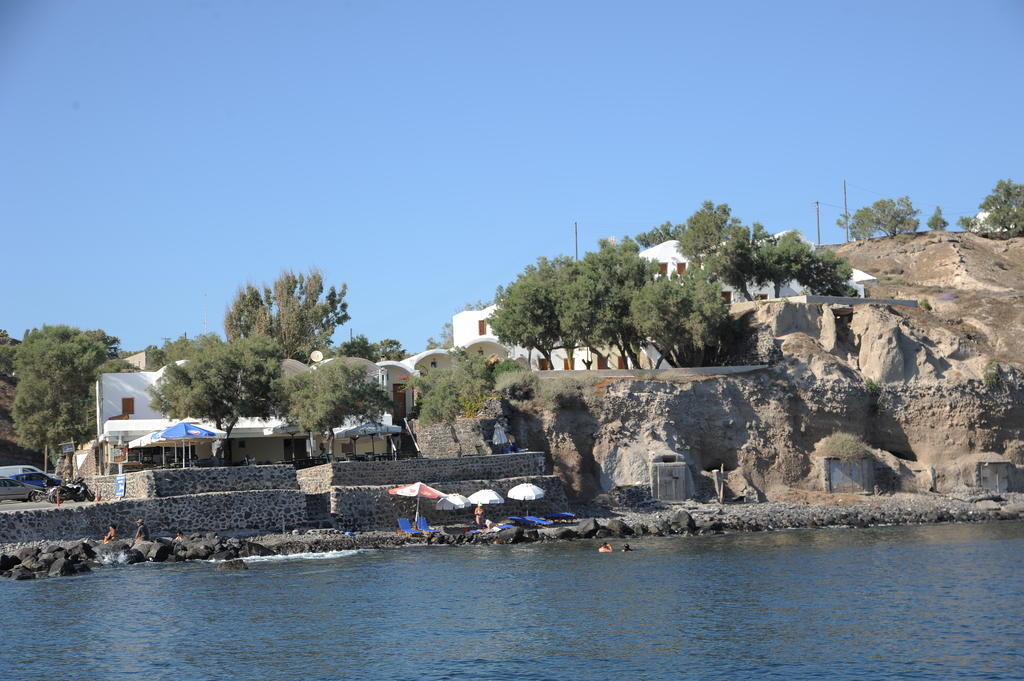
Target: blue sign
[(119, 487)]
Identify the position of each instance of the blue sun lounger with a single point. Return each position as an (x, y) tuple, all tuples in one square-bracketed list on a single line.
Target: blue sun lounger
[(423, 526), (538, 521), (405, 527), (565, 515), (529, 520)]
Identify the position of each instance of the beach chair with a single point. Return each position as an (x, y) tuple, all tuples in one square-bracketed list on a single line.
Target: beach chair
[(538, 521), (522, 520), (405, 527), (565, 515), (424, 526)]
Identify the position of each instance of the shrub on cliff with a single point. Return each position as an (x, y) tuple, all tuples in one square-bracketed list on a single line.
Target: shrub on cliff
[(444, 395), (517, 385), (845, 446), (566, 391)]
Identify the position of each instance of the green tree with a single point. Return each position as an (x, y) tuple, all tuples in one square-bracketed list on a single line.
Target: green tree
[(357, 346), (666, 231), (596, 302), (442, 395), (685, 318), (180, 348), (319, 400), (295, 311), (789, 258), (227, 382), (705, 231), (527, 310), (389, 349), (735, 261), (55, 401), (886, 216), (1002, 215), (8, 349), (936, 222)]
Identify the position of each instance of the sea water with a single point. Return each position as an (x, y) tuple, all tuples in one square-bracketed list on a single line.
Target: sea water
[(926, 602)]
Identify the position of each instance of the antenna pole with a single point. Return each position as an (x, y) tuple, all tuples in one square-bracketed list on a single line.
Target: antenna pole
[(846, 212), (576, 235), (817, 219)]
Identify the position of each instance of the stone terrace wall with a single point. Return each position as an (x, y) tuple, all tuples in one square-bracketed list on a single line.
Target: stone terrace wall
[(462, 438), (320, 479), (267, 510), (170, 482), (367, 508)]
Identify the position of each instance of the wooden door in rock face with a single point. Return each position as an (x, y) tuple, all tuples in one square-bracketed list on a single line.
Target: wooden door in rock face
[(398, 397)]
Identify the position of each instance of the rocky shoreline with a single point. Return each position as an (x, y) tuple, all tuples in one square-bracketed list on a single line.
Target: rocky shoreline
[(52, 559)]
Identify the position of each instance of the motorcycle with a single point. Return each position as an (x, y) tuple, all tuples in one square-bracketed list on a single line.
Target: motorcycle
[(76, 490)]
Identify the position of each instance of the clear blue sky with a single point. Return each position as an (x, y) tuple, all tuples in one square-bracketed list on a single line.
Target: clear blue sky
[(157, 155)]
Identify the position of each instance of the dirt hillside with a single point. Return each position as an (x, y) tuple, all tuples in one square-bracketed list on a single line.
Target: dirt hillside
[(969, 282)]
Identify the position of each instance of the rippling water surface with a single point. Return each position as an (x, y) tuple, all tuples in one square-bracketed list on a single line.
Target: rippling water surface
[(935, 602)]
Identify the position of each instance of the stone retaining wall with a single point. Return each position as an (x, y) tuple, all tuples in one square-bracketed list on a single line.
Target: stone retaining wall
[(364, 508), (173, 482), (465, 437), (320, 479), (266, 510)]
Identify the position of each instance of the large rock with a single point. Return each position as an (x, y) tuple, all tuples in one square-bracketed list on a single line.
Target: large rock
[(587, 527), (198, 550), (21, 572), (617, 527), (681, 521), (82, 551), (133, 556), (7, 562), (235, 564), (61, 568), (254, 549)]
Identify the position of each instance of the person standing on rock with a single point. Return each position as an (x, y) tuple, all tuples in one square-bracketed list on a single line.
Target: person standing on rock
[(142, 533)]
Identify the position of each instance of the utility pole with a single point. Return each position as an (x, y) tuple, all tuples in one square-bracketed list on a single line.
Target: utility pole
[(846, 212), (817, 219), (576, 235)]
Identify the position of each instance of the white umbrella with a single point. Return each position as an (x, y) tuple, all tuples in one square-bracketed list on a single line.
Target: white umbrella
[(500, 437), (453, 502), (486, 496), (526, 492)]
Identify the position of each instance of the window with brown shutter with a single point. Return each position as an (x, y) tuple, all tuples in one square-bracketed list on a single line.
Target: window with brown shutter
[(542, 364), (566, 364), (127, 406), (602, 362), (663, 267), (680, 268), (622, 362), (481, 327), (727, 296), (761, 296)]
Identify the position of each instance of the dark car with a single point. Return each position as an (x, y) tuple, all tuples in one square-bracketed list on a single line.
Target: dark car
[(19, 491), (41, 480)]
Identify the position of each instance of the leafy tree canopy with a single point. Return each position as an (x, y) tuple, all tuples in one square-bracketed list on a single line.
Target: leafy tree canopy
[(1003, 213), (705, 231), (57, 367), (936, 222), (666, 231), (360, 346), (180, 348), (442, 395), (228, 381), (527, 312), (295, 311), (683, 317), (323, 398), (886, 216)]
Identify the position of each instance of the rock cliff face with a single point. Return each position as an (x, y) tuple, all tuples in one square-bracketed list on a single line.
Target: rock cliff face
[(922, 389)]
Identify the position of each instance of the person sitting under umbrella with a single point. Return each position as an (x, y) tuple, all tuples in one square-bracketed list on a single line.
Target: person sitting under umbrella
[(478, 517)]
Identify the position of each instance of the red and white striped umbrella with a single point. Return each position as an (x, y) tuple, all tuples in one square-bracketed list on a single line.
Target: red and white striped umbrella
[(418, 490)]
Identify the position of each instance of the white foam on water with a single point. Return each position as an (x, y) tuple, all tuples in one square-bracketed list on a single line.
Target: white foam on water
[(323, 555)]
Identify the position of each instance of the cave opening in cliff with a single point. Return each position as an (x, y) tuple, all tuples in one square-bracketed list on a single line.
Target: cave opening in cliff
[(905, 456)]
